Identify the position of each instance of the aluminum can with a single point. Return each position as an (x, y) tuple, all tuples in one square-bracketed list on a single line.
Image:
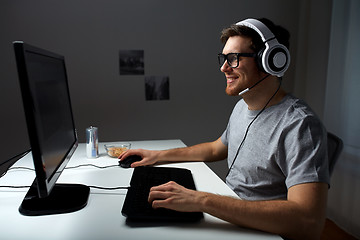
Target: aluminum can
[(92, 141)]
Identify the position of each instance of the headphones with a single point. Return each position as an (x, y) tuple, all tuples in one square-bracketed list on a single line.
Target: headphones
[(275, 57)]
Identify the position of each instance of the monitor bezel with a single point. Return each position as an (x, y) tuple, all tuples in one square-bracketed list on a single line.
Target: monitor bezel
[(44, 184)]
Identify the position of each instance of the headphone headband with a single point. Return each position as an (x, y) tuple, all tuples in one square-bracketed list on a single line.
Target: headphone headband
[(275, 58), (259, 27)]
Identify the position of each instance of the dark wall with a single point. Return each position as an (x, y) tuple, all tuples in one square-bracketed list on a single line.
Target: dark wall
[(180, 39)]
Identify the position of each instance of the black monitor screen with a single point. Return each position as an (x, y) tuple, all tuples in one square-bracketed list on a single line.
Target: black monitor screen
[(52, 134), (54, 125)]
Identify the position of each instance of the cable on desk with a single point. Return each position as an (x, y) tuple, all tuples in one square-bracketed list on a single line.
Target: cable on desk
[(90, 186), (23, 168), (82, 165), (14, 186), (15, 168), (107, 188), (92, 165)]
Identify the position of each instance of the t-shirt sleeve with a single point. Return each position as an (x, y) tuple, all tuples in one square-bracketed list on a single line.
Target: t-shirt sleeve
[(305, 151), (224, 137)]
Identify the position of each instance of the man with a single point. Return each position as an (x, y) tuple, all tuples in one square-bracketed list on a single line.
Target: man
[(274, 144)]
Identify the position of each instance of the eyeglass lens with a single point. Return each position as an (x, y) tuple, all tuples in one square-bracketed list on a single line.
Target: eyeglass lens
[(231, 58)]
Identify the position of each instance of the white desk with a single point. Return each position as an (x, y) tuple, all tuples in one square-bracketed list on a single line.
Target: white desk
[(101, 218)]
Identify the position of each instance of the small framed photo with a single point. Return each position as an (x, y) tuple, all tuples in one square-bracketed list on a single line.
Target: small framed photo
[(157, 88), (131, 62)]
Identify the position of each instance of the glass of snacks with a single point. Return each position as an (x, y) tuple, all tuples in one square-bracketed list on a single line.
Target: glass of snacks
[(116, 149)]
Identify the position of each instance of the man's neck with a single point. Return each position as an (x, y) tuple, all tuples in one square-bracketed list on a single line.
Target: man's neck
[(257, 98)]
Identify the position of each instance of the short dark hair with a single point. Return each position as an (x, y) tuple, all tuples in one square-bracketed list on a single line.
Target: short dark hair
[(281, 34)]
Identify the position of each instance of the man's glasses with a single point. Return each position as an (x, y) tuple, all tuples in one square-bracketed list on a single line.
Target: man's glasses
[(233, 58)]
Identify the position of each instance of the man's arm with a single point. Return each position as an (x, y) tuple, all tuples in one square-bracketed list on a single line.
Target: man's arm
[(211, 151), (301, 216)]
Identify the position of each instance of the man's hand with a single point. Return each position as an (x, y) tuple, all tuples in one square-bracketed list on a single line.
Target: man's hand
[(211, 151), (301, 216), (176, 197), (148, 157)]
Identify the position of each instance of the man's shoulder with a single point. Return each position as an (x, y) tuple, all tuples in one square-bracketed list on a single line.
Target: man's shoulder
[(295, 106), (298, 115)]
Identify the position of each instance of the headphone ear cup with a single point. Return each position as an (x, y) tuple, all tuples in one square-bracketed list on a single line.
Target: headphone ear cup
[(259, 57), (275, 59)]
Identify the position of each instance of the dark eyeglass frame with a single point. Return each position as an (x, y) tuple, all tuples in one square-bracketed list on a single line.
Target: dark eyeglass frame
[(224, 57)]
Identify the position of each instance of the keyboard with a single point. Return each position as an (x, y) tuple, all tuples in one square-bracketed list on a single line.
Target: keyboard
[(136, 206)]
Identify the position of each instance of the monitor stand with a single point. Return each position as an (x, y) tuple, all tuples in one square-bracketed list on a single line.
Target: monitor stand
[(64, 198)]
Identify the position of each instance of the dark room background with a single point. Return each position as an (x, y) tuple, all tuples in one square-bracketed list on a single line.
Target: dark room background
[(180, 43)]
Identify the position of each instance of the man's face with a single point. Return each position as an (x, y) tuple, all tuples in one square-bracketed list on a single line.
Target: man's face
[(244, 75)]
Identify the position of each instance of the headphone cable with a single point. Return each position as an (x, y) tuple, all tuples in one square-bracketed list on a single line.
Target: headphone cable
[(248, 127)]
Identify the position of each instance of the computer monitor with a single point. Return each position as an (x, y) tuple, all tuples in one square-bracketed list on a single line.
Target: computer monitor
[(51, 131)]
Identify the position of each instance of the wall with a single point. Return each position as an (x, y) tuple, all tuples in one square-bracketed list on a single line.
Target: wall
[(341, 114), (312, 53), (180, 39)]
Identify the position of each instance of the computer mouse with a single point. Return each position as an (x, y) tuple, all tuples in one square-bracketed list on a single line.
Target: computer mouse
[(126, 163)]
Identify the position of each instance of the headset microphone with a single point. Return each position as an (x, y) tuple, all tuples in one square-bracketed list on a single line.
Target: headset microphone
[(248, 89), (244, 91)]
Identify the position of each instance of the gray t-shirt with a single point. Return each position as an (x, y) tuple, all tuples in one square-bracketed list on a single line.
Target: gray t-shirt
[(285, 146)]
